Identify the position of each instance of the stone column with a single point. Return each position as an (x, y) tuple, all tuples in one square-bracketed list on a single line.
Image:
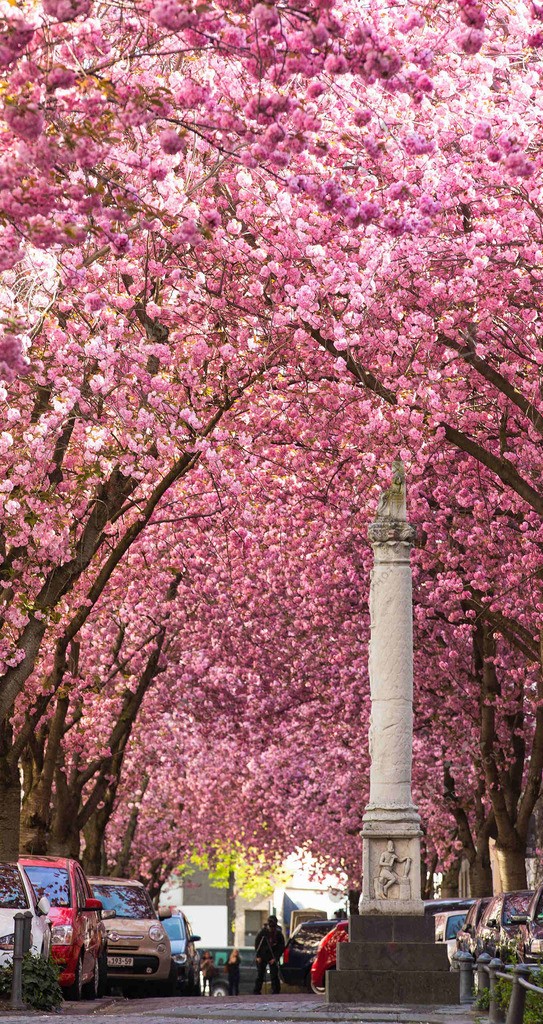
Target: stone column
[(391, 829)]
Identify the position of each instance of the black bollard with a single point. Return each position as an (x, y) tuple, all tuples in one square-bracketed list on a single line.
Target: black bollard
[(27, 931), (466, 965), (515, 1012), (495, 1012), (22, 923), (483, 980)]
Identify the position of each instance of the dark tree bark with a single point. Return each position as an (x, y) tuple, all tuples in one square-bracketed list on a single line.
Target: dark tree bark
[(10, 799)]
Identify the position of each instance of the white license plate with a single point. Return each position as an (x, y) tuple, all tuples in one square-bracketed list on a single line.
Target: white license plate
[(120, 961)]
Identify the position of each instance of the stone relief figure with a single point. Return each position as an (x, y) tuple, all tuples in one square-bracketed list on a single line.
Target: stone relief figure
[(388, 876)]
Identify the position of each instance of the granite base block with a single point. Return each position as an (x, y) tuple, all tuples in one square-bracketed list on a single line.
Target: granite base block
[(395, 960), (428, 988), (394, 956), (392, 928)]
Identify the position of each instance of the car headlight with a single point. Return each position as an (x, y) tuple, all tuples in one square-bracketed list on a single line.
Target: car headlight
[(180, 958), (156, 933), (7, 941), (62, 934)]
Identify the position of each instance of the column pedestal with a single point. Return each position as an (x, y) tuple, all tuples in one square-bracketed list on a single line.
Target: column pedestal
[(392, 959)]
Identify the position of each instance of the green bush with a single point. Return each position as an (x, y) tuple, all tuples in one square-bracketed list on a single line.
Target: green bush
[(482, 999), (41, 990), (533, 1013)]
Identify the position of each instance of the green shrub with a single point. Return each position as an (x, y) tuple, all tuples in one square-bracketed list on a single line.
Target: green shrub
[(41, 990), (482, 999), (533, 1013)]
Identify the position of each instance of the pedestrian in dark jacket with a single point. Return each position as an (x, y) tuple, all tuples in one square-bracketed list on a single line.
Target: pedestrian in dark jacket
[(208, 969), (232, 970), (269, 948)]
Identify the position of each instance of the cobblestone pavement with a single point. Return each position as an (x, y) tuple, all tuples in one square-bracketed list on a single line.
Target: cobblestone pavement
[(283, 1009)]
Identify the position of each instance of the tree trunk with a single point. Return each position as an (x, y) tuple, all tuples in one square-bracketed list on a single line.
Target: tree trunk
[(122, 867), (427, 875), (94, 859), (354, 899), (449, 884), (65, 839), (480, 872), (10, 810), (35, 822), (512, 864)]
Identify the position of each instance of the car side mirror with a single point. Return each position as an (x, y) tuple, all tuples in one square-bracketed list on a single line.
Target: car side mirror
[(92, 904), (196, 938), (43, 906), (163, 915), (107, 915), (492, 923)]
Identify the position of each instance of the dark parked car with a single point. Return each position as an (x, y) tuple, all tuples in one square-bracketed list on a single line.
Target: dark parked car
[(300, 951), (441, 906), (247, 973), (465, 937), (184, 953), (530, 936), (498, 929)]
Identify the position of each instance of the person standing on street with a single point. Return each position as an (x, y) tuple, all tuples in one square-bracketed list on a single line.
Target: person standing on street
[(208, 970), (232, 970), (269, 948)]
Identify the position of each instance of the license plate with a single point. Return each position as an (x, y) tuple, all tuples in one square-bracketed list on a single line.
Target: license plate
[(120, 961)]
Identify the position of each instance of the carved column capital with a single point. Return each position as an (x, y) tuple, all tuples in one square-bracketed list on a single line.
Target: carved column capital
[(391, 531)]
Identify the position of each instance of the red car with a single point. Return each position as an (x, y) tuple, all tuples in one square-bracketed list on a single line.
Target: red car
[(78, 938), (325, 959)]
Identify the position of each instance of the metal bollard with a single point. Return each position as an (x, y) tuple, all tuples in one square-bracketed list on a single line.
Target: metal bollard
[(495, 1012), (483, 980), (27, 931), (515, 1012), (21, 935), (466, 965)]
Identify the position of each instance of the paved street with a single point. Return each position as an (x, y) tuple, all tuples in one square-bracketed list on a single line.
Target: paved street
[(283, 1009)]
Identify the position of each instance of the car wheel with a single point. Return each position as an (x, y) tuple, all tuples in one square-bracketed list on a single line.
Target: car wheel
[(219, 990), (75, 989), (169, 987), (90, 989)]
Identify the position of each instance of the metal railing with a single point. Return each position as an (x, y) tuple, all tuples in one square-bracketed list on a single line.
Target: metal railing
[(489, 970)]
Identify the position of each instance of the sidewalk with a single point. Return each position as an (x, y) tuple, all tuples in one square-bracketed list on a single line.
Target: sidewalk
[(282, 1009)]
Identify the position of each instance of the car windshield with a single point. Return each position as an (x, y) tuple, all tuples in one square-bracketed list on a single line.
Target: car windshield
[(454, 925), (12, 891), (125, 900), (174, 928), (516, 904), (309, 937), (51, 882)]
